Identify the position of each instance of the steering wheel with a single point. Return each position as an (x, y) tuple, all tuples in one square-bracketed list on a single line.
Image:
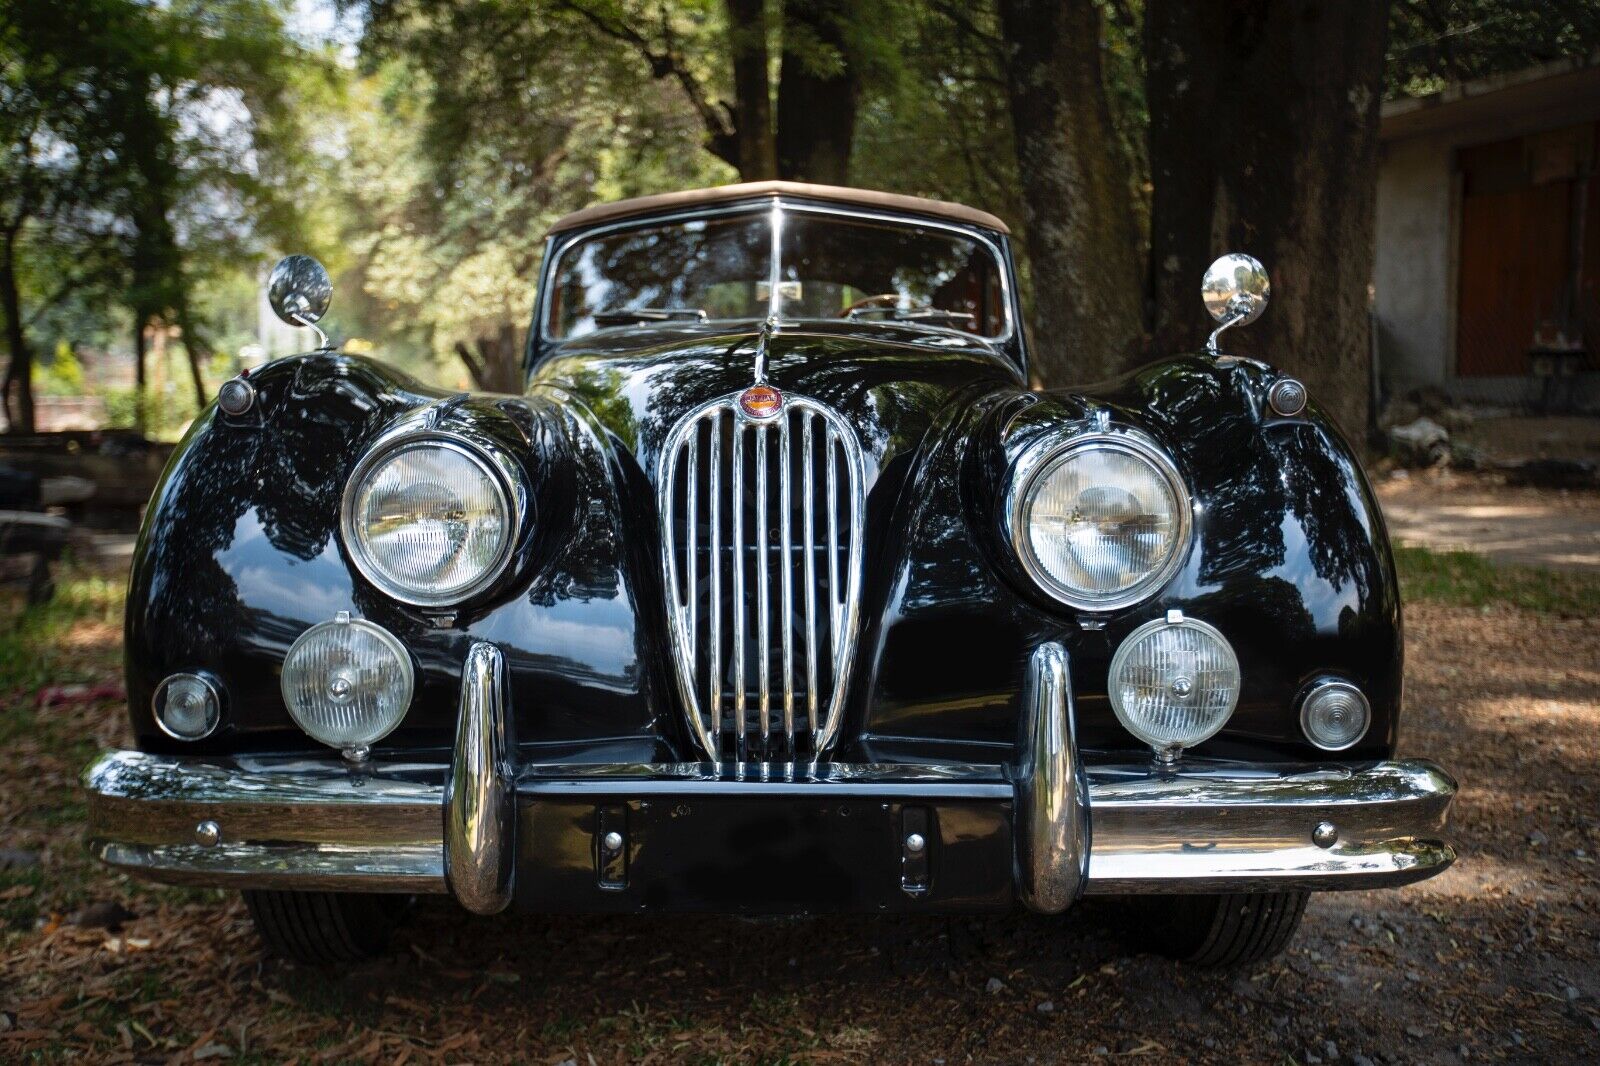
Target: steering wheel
[(883, 299)]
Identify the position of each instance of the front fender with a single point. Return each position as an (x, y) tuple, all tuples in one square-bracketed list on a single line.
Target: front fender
[(1288, 558), (241, 553)]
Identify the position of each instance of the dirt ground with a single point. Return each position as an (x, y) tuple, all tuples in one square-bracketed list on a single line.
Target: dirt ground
[(1448, 511), (1494, 960)]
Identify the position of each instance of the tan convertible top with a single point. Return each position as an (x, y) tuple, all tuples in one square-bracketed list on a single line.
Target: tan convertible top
[(864, 198)]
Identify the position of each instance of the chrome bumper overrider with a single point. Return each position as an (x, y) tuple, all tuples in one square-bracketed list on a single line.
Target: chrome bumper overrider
[(1202, 826)]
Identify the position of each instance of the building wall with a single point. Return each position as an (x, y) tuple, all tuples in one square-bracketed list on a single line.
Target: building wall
[(1414, 275), (1415, 278)]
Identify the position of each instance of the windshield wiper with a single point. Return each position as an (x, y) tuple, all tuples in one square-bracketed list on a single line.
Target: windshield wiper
[(635, 315), (927, 316)]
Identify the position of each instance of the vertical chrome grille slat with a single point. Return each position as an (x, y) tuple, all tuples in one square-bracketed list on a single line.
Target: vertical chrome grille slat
[(811, 573), (741, 507), (786, 574), (764, 648), (833, 542), (738, 604), (714, 504), (692, 496)]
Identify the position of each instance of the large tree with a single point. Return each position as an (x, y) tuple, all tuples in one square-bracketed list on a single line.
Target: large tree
[(794, 119), (1082, 239), (1264, 139)]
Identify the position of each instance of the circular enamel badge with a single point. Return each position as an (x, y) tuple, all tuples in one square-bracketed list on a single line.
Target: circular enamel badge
[(760, 402)]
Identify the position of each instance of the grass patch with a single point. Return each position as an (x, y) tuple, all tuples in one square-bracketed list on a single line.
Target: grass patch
[(1467, 579), (73, 640), (35, 649)]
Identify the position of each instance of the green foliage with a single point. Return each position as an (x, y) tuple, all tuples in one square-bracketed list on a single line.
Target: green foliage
[(941, 127), (31, 649), (1468, 579), (1435, 42), (472, 128), (62, 375), (147, 147), (122, 408), (156, 155)]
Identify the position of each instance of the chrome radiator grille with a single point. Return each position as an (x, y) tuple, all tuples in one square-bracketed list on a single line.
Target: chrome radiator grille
[(761, 530)]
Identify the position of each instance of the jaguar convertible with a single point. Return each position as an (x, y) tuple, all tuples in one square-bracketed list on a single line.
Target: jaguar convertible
[(777, 591)]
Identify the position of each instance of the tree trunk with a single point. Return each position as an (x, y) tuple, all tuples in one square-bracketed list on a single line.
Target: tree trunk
[(494, 361), (752, 91), (1272, 108), (1184, 74), (818, 91), (140, 320), (195, 347), (19, 371), (1081, 234)]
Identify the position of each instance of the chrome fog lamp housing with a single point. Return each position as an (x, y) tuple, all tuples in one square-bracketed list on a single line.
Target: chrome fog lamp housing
[(187, 707), (1335, 715), (347, 683), (1100, 521), (1174, 682), (429, 519)]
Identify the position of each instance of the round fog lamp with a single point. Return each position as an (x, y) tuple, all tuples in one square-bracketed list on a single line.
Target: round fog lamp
[(187, 707), (1335, 715), (347, 683), (1174, 682)]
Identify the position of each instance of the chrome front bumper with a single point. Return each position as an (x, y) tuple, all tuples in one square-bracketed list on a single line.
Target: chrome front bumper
[(1202, 826)]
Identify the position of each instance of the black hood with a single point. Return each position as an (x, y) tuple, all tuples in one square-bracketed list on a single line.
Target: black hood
[(888, 382)]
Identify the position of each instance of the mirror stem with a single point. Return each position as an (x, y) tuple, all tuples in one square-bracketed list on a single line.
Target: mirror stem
[(1233, 319), (322, 338)]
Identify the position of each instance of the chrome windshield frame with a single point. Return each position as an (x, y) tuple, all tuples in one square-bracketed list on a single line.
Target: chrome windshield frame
[(777, 208)]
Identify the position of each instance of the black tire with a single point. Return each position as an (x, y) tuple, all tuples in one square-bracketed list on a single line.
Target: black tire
[(1217, 931), (325, 928)]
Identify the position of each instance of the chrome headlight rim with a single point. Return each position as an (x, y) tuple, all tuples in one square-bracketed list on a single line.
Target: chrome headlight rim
[(492, 464), (1126, 648), (1042, 459)]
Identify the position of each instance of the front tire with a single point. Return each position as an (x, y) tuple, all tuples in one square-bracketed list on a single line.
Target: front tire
[(1212, 931), (325, 928)]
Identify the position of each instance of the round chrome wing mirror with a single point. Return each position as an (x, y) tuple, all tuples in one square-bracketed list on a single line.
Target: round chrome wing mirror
[(1235, 291), (300, 291)]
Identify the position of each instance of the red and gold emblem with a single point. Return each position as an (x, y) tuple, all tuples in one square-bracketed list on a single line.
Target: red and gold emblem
[(761, 402)]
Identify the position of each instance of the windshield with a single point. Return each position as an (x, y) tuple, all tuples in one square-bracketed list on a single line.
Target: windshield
[(828, 267)]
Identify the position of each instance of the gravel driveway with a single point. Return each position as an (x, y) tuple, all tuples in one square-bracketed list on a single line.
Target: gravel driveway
[(1446, 511), (1494, 960)]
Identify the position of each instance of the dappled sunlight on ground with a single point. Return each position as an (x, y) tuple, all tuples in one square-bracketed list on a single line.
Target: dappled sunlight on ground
[(1528, 526)]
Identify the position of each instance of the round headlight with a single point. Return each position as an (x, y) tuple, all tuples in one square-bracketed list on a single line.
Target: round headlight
[(1174, 682), (428, 521), (1335, 715), (1102, 522), (347, 683)]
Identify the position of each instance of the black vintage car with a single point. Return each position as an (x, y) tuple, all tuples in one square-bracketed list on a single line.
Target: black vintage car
[(777, 591)]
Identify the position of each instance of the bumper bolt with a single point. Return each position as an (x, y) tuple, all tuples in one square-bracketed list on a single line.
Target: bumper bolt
[(1325, 835), (208, 834), (915, 843), (613, 841)]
